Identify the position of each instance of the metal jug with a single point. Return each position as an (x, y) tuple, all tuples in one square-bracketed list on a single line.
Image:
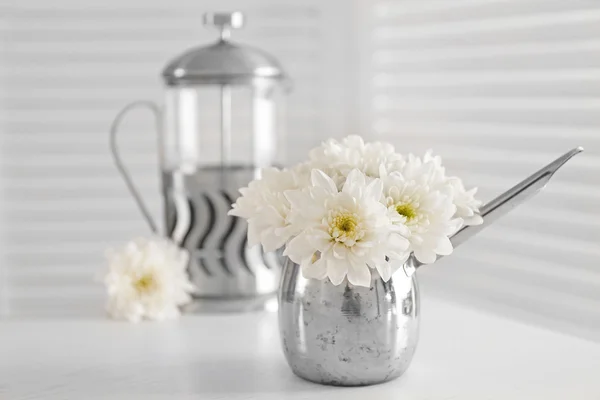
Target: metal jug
[(352, 336)]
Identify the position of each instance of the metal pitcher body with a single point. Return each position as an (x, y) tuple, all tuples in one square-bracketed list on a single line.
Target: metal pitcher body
[(348, 335), (227, 273)]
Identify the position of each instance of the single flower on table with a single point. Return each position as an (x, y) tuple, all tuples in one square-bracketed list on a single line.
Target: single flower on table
[(147, 279)]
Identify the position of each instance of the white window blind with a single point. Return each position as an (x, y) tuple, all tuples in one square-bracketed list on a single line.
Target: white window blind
[(499, 88), (69, 66)]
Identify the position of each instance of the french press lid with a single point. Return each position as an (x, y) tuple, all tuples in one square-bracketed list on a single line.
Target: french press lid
[(224, 62)]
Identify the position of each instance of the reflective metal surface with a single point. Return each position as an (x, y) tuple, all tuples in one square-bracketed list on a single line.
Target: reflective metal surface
[(346, 335), (514, 196), (508, 200), (200, 179), (228, 275), (223, 62)]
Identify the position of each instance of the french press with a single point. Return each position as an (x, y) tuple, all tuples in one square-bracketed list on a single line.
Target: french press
[(219, 126)]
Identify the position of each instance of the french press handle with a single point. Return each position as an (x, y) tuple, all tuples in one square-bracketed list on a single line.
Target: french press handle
[(114, 128), (181, 205)]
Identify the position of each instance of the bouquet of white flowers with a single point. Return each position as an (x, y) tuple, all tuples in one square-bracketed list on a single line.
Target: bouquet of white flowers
[(354, 207)]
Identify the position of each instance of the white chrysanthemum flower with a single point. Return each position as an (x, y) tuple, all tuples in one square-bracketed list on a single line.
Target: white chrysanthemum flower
[(333, 224), (467, 206), (345, 233), (266, 208), (339, 158), (414, 202), (147, 279)]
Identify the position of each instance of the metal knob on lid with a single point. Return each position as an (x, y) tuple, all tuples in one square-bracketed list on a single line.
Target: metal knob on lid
[(225, 21), (223, 62)]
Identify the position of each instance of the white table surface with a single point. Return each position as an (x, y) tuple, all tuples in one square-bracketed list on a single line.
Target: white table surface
[(463, 354)]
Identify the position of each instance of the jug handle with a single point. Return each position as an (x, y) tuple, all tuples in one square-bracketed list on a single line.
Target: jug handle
[(114, 128)]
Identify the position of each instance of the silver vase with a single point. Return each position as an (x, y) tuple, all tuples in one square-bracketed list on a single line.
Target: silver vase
[(348, 335)]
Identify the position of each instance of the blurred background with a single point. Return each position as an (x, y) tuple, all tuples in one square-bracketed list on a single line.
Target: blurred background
[(497, 87)]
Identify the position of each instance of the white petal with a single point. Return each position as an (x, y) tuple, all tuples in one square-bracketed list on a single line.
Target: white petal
[(374, 189), (394, 191), (319, 239), (235, 211), (297, 198), (299, 249), (272, 241), (359, 274), (444, 247), (354, 141), (425, 256), (400, 228), (476, 219), (316, 270), (397, 258), (398, 242), (336, 270), (399, 264), (339, 251), (385, 270), (416, 240), (354, 181), (322, 180), (383, 173), (454, 225)]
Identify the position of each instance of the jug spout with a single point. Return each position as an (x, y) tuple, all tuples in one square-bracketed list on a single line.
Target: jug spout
[(508, 200)]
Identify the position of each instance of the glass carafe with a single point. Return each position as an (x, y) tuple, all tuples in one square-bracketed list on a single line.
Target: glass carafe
[(220, 125)]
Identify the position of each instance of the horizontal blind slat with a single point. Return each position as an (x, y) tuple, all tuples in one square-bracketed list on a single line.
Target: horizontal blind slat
[(69, 68), (500, 88)]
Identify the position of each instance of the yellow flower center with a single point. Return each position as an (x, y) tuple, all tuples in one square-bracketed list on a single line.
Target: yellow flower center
[(146, 283), (344, 228), (346, 223), (406, 210)]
